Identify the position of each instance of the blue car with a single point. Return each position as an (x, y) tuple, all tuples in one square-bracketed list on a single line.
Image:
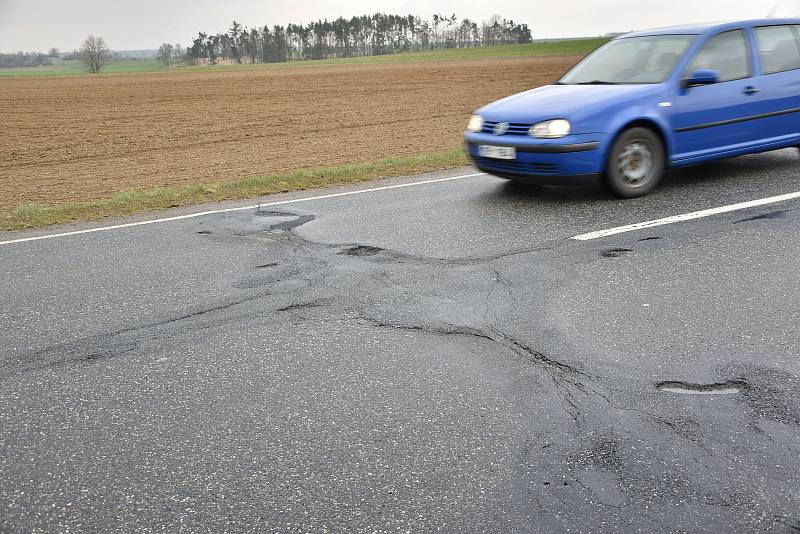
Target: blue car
[(648, 101)]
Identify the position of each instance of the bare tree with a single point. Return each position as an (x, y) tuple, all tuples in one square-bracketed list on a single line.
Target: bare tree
[(178, 53), (94, 53), (165, 54)]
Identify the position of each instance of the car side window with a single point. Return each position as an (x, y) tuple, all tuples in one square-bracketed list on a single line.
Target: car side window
[(726, 53), (779, 48)]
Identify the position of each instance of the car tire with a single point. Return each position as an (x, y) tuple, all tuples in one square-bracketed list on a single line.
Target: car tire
[(636, 163)]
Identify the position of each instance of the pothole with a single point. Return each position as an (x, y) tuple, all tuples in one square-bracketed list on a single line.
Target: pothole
[(361, 250), (731, 387), (615, 252)]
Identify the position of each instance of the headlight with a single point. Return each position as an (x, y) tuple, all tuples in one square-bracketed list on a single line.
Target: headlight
[(475, 124), (551, 129)]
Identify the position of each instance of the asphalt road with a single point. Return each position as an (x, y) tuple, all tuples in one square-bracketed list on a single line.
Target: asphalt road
[(440, 357)]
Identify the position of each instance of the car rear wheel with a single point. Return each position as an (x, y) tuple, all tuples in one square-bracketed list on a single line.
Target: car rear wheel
[(636, 163)]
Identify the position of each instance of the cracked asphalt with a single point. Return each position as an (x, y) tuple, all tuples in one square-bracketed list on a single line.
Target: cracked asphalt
[(433, 358)]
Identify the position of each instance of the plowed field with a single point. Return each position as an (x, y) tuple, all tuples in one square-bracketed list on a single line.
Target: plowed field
[(80, 138)]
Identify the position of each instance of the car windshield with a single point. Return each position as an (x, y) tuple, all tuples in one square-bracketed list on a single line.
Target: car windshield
[(630, 60)]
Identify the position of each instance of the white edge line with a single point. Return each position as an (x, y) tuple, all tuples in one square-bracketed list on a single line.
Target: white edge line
[(687, 216), (241, 208)]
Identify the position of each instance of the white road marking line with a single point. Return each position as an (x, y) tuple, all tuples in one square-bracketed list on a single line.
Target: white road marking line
[(687, 216), (242, 208)]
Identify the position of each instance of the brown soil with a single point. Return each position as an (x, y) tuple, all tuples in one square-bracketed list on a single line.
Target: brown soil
[(79, 138)]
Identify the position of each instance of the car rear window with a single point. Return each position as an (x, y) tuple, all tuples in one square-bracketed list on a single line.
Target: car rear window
[(779, 48), (725, 53)]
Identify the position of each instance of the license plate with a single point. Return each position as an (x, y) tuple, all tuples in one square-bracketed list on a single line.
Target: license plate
[(497, 152)]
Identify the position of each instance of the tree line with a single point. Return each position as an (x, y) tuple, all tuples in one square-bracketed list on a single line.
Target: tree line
[(25, 59), (367, 35)]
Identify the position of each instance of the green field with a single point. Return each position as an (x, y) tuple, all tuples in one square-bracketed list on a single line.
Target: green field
[(75, 67), (558, 47), (549, 48)]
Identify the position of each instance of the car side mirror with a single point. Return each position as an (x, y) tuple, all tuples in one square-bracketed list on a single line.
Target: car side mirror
[(701, 77)]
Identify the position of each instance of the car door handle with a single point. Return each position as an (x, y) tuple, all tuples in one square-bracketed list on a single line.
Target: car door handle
[(750, 90)]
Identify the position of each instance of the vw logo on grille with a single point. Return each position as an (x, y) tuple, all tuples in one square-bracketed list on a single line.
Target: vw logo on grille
[(500, 128)]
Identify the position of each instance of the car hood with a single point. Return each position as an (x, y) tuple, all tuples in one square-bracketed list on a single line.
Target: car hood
[(587, 107)]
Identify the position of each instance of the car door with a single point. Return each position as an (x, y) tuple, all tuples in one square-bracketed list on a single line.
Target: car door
[(712, 119), (779, 54)]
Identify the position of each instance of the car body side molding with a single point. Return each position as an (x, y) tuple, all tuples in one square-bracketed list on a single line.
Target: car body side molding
[(735, 121)]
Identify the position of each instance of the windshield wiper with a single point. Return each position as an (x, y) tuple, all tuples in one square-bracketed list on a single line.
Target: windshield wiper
[(597, 82)]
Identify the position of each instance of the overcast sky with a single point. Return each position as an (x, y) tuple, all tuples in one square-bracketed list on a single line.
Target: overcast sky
[(37, 25)]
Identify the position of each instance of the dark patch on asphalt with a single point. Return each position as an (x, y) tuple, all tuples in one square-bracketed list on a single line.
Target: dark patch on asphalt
[(615, 252), (91, 350), (772, 395), (569, 381), (204, 232), (764, 216), (603, 453), (654, 238), (361, 250), (316, 303), (685, 427), (100, 347), (291, 225), (299, 220), (492, 334), (104, 353), (266, 265), (719, 388)]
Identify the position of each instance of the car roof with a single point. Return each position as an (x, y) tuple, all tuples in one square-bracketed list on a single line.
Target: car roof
[(701, 28)]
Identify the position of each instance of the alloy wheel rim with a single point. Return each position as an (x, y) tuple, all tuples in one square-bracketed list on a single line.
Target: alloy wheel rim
[(635, 163)]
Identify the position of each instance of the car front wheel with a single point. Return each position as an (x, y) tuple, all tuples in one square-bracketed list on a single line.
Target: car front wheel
[(636, 163)]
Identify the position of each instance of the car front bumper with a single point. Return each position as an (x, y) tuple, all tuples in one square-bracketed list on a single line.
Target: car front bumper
[(573, 159)]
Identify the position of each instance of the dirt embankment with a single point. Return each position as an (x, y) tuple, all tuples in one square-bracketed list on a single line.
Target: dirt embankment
[(80, 138)]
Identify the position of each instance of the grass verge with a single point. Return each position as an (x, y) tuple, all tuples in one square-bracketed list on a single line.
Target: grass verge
[(35, 215)]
